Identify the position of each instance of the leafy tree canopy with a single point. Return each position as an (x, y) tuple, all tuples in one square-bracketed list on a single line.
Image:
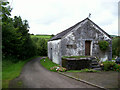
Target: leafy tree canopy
[(16, 40)]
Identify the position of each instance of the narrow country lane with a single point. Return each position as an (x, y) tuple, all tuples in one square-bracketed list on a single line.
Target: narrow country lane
[(34, 75)]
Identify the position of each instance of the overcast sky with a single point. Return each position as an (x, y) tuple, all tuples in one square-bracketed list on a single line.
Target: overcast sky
[(54, 16)]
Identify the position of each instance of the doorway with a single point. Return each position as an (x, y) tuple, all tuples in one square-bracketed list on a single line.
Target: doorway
[(51, 54), (87, 48)]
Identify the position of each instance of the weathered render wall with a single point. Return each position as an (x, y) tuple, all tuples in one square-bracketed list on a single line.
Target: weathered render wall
[(73, 44), (54, 51)]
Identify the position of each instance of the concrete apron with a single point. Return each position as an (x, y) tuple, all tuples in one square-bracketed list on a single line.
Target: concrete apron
[(83, 81)]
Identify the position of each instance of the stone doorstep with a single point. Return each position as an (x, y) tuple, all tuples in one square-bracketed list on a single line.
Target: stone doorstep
[(84, 81)]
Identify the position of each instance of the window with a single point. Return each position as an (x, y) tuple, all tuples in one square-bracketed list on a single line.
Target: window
[(72, 46), (69, 46)]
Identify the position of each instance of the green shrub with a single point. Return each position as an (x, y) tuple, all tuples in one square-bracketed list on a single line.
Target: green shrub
[(116, 67), (108, 65), (41, 45), (103, 45), (116, 46), (88, 70)]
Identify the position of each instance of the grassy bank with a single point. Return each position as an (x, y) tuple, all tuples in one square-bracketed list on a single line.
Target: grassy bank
[(84, 70), (46, 37), (11, 70), (75, 56), (48, 64)]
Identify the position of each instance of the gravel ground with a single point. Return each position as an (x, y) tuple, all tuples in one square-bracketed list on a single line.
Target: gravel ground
[(108, 79)]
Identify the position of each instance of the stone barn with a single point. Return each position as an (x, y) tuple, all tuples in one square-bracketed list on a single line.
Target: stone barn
[(79, 40)]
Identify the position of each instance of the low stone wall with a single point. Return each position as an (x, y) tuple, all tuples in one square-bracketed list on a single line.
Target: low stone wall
[(77, 63)]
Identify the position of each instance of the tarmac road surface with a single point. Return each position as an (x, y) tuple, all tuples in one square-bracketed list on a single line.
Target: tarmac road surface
[(34, 75)]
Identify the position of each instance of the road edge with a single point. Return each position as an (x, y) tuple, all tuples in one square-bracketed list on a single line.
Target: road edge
[(83, 81)]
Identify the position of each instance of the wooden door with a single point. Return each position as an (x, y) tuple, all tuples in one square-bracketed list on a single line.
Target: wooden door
[(87, 48)]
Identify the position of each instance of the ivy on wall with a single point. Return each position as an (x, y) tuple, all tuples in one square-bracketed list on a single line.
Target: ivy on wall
[(103, 45)]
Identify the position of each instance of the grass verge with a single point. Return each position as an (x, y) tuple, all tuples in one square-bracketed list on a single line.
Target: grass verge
[(84, 70), (48, 64), (75, 56), (11, 70)]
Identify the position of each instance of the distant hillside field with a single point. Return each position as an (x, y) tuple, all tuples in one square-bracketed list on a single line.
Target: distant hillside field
[(46, 37), (113, 36)]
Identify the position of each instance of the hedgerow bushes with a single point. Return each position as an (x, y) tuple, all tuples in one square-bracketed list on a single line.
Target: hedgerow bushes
[(16, 39), (109, 65), (116, 46), (116, 67), (41, 45)]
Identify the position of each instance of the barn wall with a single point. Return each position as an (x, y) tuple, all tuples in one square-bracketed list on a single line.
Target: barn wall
[(54, 51), (73, 44)]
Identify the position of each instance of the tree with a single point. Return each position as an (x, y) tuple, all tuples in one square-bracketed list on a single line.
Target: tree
[(8, 31), (41, 45), (16, 39), (52, 35), (5, 10), (116, 46)]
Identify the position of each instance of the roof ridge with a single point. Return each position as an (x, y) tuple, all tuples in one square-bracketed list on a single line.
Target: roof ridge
[(64, 32), (67, 30), (100, 28)]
